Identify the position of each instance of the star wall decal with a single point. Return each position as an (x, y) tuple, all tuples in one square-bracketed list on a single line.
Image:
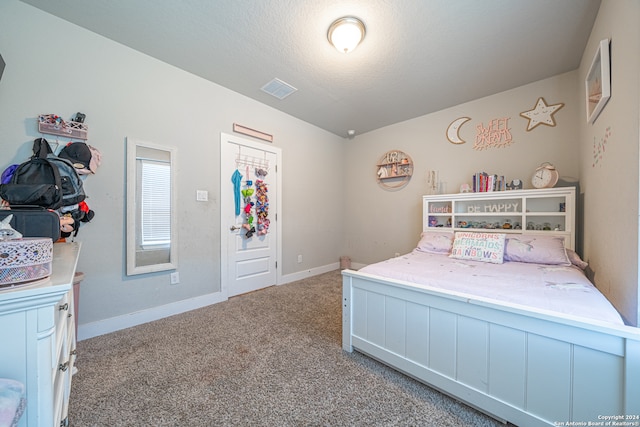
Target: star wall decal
[(542, 114)]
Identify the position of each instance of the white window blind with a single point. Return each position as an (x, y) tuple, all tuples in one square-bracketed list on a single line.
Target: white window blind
[(156, 203)]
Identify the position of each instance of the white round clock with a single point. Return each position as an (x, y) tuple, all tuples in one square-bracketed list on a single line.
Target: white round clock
[(545, 176)]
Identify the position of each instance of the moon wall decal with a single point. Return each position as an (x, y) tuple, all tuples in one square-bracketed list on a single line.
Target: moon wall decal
[(454, 128)]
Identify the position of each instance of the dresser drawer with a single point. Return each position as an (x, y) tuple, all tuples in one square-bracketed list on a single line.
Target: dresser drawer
[(64, 357), (63, 309), (61, 388)]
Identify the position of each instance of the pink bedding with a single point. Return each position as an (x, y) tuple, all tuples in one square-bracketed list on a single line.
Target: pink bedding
[(563, 289)]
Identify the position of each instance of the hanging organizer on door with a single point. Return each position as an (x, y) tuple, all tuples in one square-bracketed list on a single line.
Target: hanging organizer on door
[(255, 200), (262, 202)]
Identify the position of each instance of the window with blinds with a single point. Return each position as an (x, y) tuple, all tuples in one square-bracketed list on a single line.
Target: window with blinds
[(156, 203)]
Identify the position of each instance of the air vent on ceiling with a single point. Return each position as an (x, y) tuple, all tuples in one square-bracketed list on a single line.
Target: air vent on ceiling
[(278, 88)]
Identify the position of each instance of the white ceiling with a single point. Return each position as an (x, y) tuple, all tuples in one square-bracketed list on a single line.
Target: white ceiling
[(419, 56)]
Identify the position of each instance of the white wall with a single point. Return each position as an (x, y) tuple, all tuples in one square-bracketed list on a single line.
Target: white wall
[(382, 222), (610, 186), (56, 67)]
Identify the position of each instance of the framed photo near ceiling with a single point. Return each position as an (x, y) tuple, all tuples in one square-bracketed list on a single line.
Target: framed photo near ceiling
[(598, 82)]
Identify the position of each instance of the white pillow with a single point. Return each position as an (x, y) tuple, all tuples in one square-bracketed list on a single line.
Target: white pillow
[(536, 249), (435, 242), (484, 247)]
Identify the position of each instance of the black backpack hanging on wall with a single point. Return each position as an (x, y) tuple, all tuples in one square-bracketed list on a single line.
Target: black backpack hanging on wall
[(44, 180), (34, 182), (72, 187)]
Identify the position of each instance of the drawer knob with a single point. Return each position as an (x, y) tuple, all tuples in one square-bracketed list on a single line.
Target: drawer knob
[(64, 306), (63, 366)]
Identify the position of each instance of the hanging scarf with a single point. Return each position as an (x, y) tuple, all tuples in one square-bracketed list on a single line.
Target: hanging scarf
[(236, 178)]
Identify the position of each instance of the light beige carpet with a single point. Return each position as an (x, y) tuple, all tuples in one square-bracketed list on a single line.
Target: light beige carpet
[(268, 358)]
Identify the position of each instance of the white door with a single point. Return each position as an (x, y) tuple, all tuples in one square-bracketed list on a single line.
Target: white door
[(249, 230)]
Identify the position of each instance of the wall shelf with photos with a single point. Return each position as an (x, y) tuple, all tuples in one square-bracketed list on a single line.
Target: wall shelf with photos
[(394, 169)]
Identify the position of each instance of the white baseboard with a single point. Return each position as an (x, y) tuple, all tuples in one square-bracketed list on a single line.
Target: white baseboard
[(101, 327), (288, 278)]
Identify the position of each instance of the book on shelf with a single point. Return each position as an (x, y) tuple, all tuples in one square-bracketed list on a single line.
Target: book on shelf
[(484, 182)]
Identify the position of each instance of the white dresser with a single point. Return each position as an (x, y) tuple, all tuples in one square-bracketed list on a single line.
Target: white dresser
[(37, 339)]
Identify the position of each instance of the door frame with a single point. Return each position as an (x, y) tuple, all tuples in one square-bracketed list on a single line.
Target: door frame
[(224, 228)]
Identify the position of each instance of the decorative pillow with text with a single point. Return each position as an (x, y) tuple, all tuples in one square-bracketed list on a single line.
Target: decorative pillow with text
[(484, 247)]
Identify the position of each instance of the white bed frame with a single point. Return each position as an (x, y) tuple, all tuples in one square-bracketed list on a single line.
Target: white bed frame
[(527, 367)]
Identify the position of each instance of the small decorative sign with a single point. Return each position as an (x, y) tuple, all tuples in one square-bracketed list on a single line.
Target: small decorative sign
[(599, 147), (252, 132), (440, 209), (542, 114), (453, 131), (496, 207), (497, 134)]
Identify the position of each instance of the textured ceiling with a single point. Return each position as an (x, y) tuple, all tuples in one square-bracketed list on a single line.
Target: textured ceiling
[(419, 56)]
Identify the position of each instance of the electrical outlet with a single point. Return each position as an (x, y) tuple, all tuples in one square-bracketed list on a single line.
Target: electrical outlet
[(299, 259), (175, 278), (202, 195)]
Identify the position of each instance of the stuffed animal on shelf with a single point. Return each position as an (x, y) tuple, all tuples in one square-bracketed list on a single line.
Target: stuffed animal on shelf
[(516, 184), (465, 188)]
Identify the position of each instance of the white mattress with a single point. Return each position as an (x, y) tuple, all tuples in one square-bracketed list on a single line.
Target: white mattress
[(546, 287)]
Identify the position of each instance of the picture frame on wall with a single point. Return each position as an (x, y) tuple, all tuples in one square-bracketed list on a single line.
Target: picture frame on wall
[(598, 82)]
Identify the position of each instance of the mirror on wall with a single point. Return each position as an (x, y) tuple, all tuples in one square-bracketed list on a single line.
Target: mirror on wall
[(151, 208)]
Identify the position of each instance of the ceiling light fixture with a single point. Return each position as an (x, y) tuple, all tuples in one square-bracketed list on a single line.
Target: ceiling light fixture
[(346, 33)]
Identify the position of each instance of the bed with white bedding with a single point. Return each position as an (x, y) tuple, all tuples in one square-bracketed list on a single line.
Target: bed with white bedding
[(555, 288), (532, 343)]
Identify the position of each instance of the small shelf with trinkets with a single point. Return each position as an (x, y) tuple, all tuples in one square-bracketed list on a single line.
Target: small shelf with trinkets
[(394, 169), (548, 210), (54, 125)]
